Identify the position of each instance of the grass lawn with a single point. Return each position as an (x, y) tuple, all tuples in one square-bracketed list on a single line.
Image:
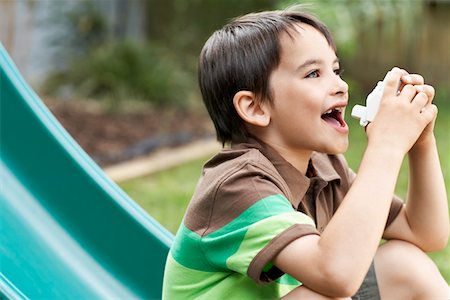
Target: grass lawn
[(165, 195)]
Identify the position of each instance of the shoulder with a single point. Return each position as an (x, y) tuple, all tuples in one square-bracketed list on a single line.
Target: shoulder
[(228, 159), (243, 169), (231, 182)]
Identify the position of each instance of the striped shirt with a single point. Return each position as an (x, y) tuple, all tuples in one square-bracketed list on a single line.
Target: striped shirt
[(248, 205)]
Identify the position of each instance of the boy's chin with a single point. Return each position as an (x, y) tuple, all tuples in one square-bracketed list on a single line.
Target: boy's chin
[(336, 152), (338, 149)]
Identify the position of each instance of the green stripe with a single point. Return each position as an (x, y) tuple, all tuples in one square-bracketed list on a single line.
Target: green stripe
[(224, 242), (288, 280), (183, 283), (260, 234), (189, 249), (264, 208)]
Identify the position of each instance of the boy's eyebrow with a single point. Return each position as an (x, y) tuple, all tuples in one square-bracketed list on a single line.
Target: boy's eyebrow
[(310, 62)]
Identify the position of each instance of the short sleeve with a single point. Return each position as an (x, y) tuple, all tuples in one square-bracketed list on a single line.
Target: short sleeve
[(239, 221), (248, 243)]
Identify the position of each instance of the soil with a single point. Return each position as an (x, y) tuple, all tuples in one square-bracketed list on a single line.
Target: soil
[(113, 137)]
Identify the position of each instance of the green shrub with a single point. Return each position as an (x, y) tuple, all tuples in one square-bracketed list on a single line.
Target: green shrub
[(121, 71)]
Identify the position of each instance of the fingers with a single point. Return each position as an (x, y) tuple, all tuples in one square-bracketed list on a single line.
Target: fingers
[(420, 100), (393, 80), (420, 95), (414, 79), (427, 89), (429, 112), (410, 88), (408, 92), (406, 110), (398, 79)]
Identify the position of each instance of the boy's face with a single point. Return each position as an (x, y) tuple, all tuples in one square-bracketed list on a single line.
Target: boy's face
[(309, 97)]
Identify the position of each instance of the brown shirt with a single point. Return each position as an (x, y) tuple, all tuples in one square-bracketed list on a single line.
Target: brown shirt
[(320, 192), (236, 179)]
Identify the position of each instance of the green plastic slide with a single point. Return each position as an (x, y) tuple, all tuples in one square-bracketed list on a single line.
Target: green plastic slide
[(66, 230)]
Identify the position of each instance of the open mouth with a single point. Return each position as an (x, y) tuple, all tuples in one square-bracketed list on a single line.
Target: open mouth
[(334, 117)]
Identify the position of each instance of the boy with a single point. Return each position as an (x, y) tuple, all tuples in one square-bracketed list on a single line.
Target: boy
[(278, 213)]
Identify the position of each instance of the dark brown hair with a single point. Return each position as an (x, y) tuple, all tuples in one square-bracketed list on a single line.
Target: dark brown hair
[(241, 56)]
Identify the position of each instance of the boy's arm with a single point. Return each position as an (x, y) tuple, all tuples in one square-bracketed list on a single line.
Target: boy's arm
[(424, 220), (335, 263)]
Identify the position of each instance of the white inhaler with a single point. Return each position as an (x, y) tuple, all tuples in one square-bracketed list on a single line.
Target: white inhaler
[(367, 113)]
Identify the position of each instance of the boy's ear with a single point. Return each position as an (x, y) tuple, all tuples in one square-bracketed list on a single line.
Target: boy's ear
[(251, 110)]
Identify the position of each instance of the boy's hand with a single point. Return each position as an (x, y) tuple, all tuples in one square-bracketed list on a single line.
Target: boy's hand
[(417, 80), (405, 111), (427, 136)]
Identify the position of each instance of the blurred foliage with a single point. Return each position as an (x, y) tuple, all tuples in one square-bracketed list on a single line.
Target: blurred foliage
[(79, 28), (185, 25), (349, 19), (88, 26), (160, 70), (372, 37), (124, 70)]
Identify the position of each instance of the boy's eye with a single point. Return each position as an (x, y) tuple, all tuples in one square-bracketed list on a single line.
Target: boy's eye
[(313, 74), (339, 71)]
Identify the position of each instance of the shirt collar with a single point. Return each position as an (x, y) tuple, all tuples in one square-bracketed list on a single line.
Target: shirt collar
[(324, 167), (297, 182)]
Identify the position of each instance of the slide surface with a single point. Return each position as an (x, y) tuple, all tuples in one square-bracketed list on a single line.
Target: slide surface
[(66, 230)]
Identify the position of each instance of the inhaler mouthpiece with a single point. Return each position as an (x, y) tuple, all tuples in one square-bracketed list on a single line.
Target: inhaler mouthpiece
[(367, 113)]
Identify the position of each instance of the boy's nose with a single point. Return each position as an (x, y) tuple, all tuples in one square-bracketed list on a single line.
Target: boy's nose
[(340, 86)]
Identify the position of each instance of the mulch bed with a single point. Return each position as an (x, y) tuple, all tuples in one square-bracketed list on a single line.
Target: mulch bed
[(113, 137)]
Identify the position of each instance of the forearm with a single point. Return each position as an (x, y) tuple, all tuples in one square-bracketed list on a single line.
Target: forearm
[(427, 205), (354, 233), (339, 259)]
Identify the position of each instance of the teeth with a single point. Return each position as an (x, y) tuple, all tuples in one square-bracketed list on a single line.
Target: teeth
[(339, 109)]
